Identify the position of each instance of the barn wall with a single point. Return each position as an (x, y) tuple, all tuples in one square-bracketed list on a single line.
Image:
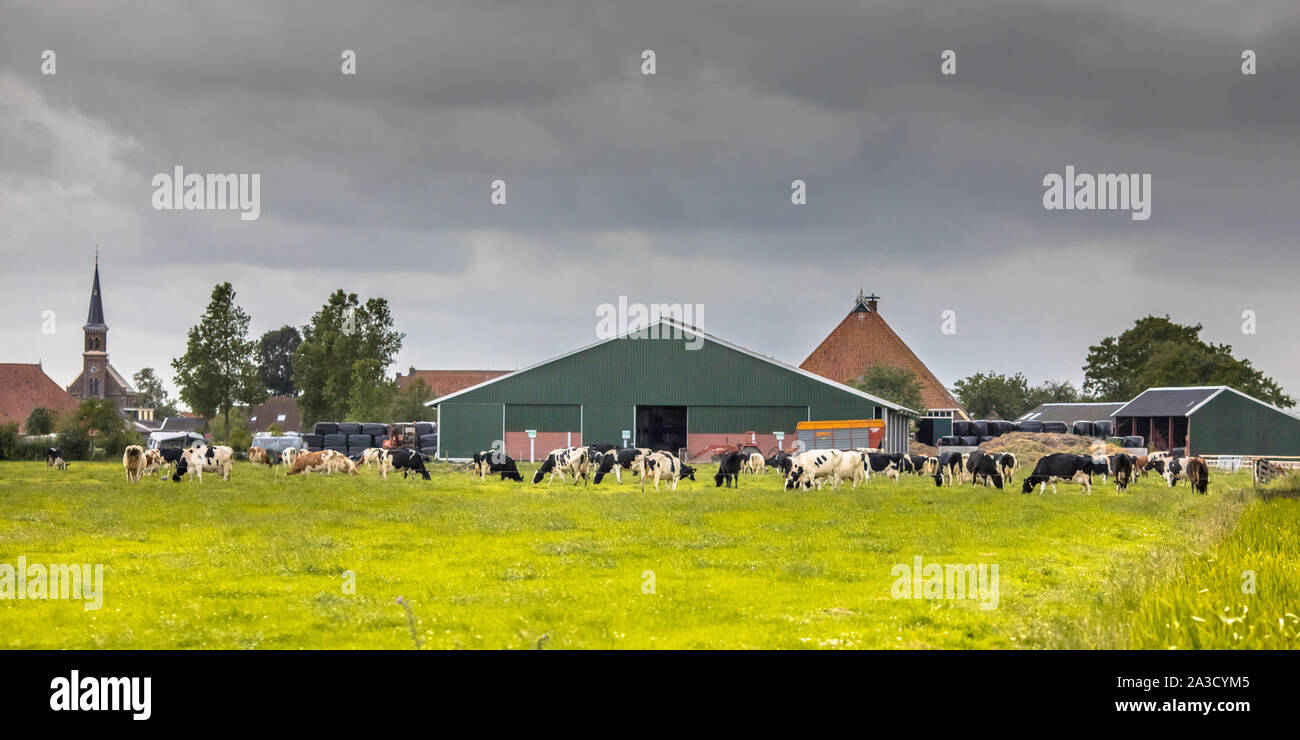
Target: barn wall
[(517, 444), (726, 419), (543, 417), (1232, 425), (605, 423), (466, 428)]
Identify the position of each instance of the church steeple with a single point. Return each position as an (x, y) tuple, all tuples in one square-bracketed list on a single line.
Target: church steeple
[(95, 317)]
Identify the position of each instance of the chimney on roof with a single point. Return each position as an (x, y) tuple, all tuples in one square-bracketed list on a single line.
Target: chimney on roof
[(866, 303)]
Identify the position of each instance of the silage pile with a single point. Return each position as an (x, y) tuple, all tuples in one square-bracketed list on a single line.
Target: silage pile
[(1033, 445)]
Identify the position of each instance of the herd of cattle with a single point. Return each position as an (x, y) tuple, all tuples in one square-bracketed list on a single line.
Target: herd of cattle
[(815, 468), (802, 471)]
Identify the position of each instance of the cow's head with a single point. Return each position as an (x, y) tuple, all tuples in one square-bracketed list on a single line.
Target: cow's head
[(688, 472), (794, 477), (1028, 486)]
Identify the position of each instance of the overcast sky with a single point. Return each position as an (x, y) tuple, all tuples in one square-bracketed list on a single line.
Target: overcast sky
[(674, 188)]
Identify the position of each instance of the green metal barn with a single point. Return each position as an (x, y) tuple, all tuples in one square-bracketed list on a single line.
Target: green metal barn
[(1209, 420), (685, 390)]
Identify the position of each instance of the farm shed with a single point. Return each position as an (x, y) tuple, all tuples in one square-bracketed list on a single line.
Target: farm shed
[(1209, 420), (683, 390)]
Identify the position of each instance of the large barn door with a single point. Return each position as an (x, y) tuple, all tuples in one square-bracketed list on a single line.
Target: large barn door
[(661, 427)]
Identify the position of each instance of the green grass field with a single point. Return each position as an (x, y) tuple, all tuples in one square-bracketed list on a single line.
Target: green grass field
[(260, 562)]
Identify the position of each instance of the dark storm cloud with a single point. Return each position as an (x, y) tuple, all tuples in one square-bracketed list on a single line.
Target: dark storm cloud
[(915, 179)]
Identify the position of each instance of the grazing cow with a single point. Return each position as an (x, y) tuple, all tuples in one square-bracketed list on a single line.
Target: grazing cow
[(1121, 466), (920, 464), (882, 463), (853, 466), (1140, 466), (337, 462), (666, 467), (409, 461), (1007, 464), (1059, 467), (482, 461), (133, 462), (54, 458), (756, 464), (153, 462), (1177, 468), (618, 460), (982, 468), (212, 458), (813, 468), (780, 461), (948, 468), (1198, 474), (259, 456), (370, 455), (572, 461), (729, 469), (501, 464), (306, 463), (287, 457)]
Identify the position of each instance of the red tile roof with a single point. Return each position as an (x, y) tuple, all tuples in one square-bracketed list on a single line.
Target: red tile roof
[(24, 387), (863, 340), (448, 381)]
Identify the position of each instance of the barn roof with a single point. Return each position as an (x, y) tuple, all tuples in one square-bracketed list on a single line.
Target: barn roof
[(863, 340), (690, 331), (24, 387), (1171, 401), (1071, 412)]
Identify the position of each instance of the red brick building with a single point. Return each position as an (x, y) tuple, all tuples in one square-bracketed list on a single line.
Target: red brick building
[(446, 382), (863, 340), (24, 387), (99, 379)]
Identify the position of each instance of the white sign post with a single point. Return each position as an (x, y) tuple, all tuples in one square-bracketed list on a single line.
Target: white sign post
[(532, 441)]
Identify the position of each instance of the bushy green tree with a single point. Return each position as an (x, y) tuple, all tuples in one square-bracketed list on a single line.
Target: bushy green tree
[(41, 421), (275, 352), (1157, 352), (895, 384), (345, 353), (150, 394), (218, 371), (408, 405)]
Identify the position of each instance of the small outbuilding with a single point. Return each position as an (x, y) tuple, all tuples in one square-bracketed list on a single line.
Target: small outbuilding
[(1209, 420)]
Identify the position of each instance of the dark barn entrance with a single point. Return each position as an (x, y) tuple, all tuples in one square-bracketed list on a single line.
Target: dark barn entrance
[(661, 427)]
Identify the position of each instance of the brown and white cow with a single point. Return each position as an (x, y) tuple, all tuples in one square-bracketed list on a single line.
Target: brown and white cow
[(259, 456), (306, 463)]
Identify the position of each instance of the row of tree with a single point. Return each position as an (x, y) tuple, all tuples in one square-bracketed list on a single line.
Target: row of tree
[(1156, 352), (337, 366)]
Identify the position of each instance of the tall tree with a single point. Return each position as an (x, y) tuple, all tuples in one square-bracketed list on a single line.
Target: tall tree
[(1158, 352), (275, 359), (218, 369), (151, 394), (897, 384), (347, 345), (1009, 395)]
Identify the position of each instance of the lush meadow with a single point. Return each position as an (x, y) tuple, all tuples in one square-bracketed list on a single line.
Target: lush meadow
[(268, 562)]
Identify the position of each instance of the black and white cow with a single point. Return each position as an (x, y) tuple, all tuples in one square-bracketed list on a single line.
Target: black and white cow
[(812, 468), (729, 469), (1007, 464), (403, 459), (920, 464), (502, 464), (616, 461), (1121, 466), (571, 461), (666, 467), (1101, 466), (1059, 467), (982, 468), (882, 463), (780, 461), (54, 458), (947, 469)]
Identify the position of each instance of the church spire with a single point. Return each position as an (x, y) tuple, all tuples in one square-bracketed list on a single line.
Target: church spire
[(95, 318)]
